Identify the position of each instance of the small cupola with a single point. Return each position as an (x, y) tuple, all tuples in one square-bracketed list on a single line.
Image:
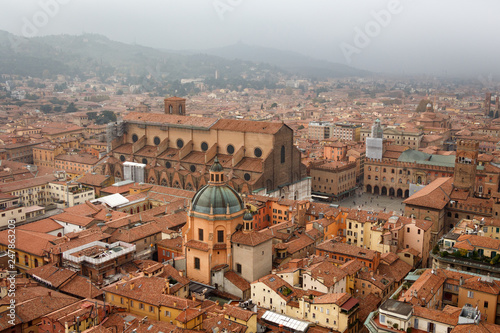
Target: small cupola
[(216, 172), (248, 221)]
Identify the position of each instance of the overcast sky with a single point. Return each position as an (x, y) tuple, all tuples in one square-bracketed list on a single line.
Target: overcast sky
[(452, 37)]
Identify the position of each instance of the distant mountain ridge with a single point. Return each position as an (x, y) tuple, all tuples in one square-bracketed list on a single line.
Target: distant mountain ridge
[(93, 53), (292, 62)]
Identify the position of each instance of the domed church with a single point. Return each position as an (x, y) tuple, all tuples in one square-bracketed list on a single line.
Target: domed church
[(216, 213)]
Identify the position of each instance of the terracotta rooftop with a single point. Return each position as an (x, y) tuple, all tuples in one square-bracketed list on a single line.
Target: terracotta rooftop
[(435, 195)]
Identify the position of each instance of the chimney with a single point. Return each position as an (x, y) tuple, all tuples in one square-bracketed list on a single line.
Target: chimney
[(50, 293), (194, 299), (168, 287), (461, 280), (132, 285)]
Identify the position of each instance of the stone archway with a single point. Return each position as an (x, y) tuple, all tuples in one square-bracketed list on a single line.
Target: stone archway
[(407, 193), (376, 190), (399, 193), (391, 192), (369, 189), (383, 191)]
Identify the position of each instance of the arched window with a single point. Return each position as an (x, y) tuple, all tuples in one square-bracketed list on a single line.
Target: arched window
[(369, 177), (282, 154), (480, 189), (180, 109), (170, 109)]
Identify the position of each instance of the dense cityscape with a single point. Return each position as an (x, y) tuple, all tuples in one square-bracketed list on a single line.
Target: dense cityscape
[(145, 191)]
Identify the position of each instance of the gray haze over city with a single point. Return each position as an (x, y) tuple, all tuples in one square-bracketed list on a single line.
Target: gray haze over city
[(444, 37)]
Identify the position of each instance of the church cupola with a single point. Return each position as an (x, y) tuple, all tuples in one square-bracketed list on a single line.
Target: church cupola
[(428, 108), (216, 172), (247, 221)]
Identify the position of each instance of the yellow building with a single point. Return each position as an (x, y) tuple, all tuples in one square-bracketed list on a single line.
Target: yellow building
[(148, 297), (30, 247), (336, 311)]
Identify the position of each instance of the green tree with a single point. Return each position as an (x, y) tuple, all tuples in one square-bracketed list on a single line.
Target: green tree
[(103, 117), (71, 108), (46, 108)]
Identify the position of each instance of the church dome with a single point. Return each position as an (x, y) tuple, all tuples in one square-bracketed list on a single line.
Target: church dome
[(217, 200)]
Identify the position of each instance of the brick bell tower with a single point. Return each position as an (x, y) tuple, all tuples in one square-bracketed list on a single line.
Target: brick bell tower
[(465, 165), (175, 105)]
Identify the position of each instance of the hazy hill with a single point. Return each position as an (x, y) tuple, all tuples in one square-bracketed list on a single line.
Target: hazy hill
[(92, 54), (293, 62), (96, 54)]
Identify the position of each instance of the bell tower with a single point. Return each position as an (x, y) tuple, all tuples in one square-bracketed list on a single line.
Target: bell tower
[(175, 105), (465, 165)]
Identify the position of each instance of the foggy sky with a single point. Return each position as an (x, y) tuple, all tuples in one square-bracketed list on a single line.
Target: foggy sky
[(444, 37)]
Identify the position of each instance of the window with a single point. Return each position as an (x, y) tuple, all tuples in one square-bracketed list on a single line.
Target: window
[(141, 306), (196, 263), (238, 268), (200, 234), (220, 236), (382, 318), (282, 154), (151, 309), (131, 304), (167, 313), (485, 304), (470, 294)]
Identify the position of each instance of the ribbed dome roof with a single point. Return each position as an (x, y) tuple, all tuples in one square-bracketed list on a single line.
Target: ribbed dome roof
[(218, 197)]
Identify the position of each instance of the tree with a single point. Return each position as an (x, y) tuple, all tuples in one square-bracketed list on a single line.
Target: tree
[(102, 117), (274, 105), (46, 108), (119, 92), (71, 108)]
